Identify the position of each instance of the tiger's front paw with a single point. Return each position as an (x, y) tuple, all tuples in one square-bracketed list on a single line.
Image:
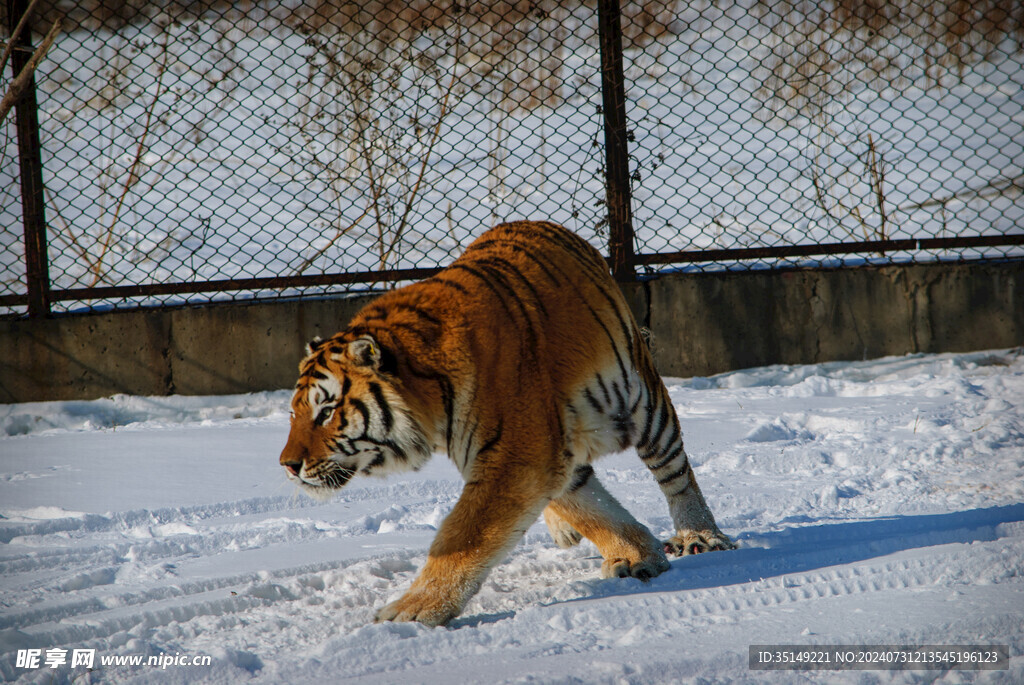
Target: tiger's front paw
[(692, 542), (419, 605)]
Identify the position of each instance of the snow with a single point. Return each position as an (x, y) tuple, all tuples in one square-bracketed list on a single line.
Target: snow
[(874, 502)]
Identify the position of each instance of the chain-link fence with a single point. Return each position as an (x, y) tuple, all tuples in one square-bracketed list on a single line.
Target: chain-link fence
[(200, 149), (780, 130)]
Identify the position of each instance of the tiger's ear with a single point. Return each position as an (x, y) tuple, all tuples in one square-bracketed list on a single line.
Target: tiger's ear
[(313, 345), (364, 351)]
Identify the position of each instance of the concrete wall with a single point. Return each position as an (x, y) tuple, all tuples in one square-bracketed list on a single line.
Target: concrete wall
[(709, 323), (700, 324), (214, 349)]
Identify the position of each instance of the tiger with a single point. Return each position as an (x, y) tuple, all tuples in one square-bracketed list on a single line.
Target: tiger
[(522, 361)]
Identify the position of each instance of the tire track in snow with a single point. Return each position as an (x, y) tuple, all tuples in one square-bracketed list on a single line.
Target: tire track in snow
[(122, 521), (507, 621), (146, 610), (144, 535), (88, 578), (536, 574)]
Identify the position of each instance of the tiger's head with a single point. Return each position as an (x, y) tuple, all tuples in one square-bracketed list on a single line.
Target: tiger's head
[(348, 417)]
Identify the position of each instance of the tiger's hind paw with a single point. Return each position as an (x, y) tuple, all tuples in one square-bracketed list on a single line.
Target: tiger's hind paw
[(698, 543), (566, 537), (562, 532), (644, 570)]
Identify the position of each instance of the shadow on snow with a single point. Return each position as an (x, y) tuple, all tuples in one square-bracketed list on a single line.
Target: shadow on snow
[(808, 548)]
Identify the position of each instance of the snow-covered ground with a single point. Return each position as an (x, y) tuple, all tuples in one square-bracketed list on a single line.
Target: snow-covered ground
[(875, 502)]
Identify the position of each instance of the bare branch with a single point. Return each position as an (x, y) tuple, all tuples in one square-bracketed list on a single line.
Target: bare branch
[(132, 177), (17, 34), (878, 185), (338, 234), (434, 137), (18, 86)]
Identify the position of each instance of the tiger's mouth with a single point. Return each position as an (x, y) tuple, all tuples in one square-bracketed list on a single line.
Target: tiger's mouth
[(324, 482)]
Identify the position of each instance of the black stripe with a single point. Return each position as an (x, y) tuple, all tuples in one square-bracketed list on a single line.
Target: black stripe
[(574, 245), (674, 454), (592, 401), (374, 312), (498, 277), (339, 446), (385, 410), (526, 250), (356, 331), (413, 329), (580, 477), (360, 407), (607, 332), (619, 397), (419, 312), (423, 314), (469, 443), (681, 491), (451, 284), (604, 391), (623, 423), (448, 398), (649, 420), (636, 405), (494, 440), (678, 474), (390, 444), (555, 267), (655, 439), (624, 324), (571, 243), (502, 263), (677, 433), (325, 396), (486, 281)]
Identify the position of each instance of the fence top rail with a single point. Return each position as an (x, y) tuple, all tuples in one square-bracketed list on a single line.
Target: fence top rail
[(395, 275)]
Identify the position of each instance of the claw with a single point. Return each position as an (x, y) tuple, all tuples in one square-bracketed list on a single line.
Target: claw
[(692, 543)]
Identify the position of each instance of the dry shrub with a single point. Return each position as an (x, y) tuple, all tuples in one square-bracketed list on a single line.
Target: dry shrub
[(521, 42), (812, 53)]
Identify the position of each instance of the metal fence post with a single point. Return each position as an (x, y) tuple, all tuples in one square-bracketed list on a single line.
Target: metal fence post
[(30, 161), (613, 90)]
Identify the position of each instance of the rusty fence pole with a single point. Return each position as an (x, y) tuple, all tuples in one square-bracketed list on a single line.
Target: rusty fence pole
[(617, 193), (30, 160)]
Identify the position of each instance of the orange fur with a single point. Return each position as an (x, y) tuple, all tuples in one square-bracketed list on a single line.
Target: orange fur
[(522, 362)]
